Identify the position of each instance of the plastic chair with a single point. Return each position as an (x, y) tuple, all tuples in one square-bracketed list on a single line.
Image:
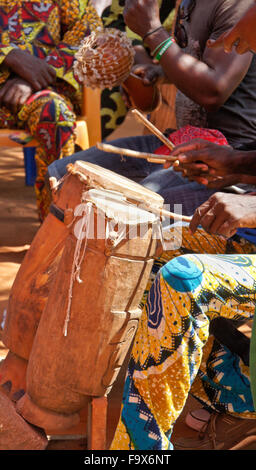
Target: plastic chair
[(88, 132)]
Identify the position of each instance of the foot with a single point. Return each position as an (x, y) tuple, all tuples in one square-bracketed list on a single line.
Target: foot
[(221, 432), (197, 419)]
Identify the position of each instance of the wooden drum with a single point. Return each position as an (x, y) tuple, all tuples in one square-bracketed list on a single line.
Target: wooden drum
[(94, 304), (36, 274)]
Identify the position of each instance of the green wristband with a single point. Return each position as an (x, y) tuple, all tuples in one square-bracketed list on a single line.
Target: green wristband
[(159, 45), (164, 48)]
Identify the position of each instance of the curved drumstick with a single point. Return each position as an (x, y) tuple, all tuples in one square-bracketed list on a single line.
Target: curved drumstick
[(151, 157), (153, 129), (172, 215), (163, 212)]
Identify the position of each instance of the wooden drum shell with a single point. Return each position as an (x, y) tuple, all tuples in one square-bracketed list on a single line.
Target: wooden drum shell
[(30, 290), (64, 370)]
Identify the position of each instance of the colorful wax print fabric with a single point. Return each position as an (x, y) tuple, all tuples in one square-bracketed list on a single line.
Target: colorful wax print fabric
[(52, 31), (174, 355)]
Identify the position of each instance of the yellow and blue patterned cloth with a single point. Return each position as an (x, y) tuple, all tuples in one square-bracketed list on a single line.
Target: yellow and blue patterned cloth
[(174, 355)]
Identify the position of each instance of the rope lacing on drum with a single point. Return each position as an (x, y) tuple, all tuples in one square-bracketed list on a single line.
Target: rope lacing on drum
[(82, 238)]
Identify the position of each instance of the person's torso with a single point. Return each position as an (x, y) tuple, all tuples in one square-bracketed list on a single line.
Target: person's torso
[(236, 118)]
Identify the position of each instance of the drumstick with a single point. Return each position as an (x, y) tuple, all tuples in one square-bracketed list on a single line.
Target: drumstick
[(153, 129), (165, 213), (172, 215), (134, 153)]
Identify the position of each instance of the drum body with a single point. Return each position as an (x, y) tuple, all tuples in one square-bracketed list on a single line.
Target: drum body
[(93, 307), (31, 286)]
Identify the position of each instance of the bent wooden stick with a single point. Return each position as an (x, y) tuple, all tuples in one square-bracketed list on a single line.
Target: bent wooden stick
[(172, 215), (153, 129), (159, 159), (152, 157), (165, 213)]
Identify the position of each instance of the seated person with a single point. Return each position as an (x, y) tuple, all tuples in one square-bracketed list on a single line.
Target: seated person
[(212, 90), (197, 333), (39, 92), (224, 83), (201, 288), (174, 355)]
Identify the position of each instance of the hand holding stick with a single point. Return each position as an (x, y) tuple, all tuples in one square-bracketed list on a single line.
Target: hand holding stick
[(150, 157), (147, 156)]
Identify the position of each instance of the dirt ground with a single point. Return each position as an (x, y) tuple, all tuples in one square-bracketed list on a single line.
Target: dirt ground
[(19, 224)]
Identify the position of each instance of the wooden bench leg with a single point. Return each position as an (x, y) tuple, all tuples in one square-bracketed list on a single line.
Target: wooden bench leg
[(97, 423)]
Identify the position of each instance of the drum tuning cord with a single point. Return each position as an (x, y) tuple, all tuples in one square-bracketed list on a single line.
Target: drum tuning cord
[(79, 253)]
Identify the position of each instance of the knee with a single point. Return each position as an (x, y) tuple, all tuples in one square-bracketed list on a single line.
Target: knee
[(182, 273), (48, 107), (57, 110)]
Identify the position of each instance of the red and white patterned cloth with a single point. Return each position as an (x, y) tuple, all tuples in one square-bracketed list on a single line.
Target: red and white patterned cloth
[(188, 133)]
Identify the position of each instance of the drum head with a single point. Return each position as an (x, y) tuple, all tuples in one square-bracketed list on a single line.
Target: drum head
[(107, 179), (116, 207)]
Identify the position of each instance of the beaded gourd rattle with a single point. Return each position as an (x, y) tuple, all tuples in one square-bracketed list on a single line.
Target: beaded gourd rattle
[(105, 59)]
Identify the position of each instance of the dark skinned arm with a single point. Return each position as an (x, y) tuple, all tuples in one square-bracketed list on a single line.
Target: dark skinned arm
[(31, 69), (209, 82), (224, 213), (145, 67), (203, 161)]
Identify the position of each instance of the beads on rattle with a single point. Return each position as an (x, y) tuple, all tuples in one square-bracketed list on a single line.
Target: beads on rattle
[(104, 59)]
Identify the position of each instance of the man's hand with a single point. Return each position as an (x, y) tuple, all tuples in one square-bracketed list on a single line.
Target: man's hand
[(206, 161), (14, 93), (224, 213), (242, 36), (150, 74), (133, 92), (142, 16), (35, 71)]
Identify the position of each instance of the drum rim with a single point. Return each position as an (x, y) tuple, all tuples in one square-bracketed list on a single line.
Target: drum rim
[(134, 189)]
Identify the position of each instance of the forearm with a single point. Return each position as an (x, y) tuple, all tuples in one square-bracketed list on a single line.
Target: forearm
[(245, 163), (202, 83), (141, 55)]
